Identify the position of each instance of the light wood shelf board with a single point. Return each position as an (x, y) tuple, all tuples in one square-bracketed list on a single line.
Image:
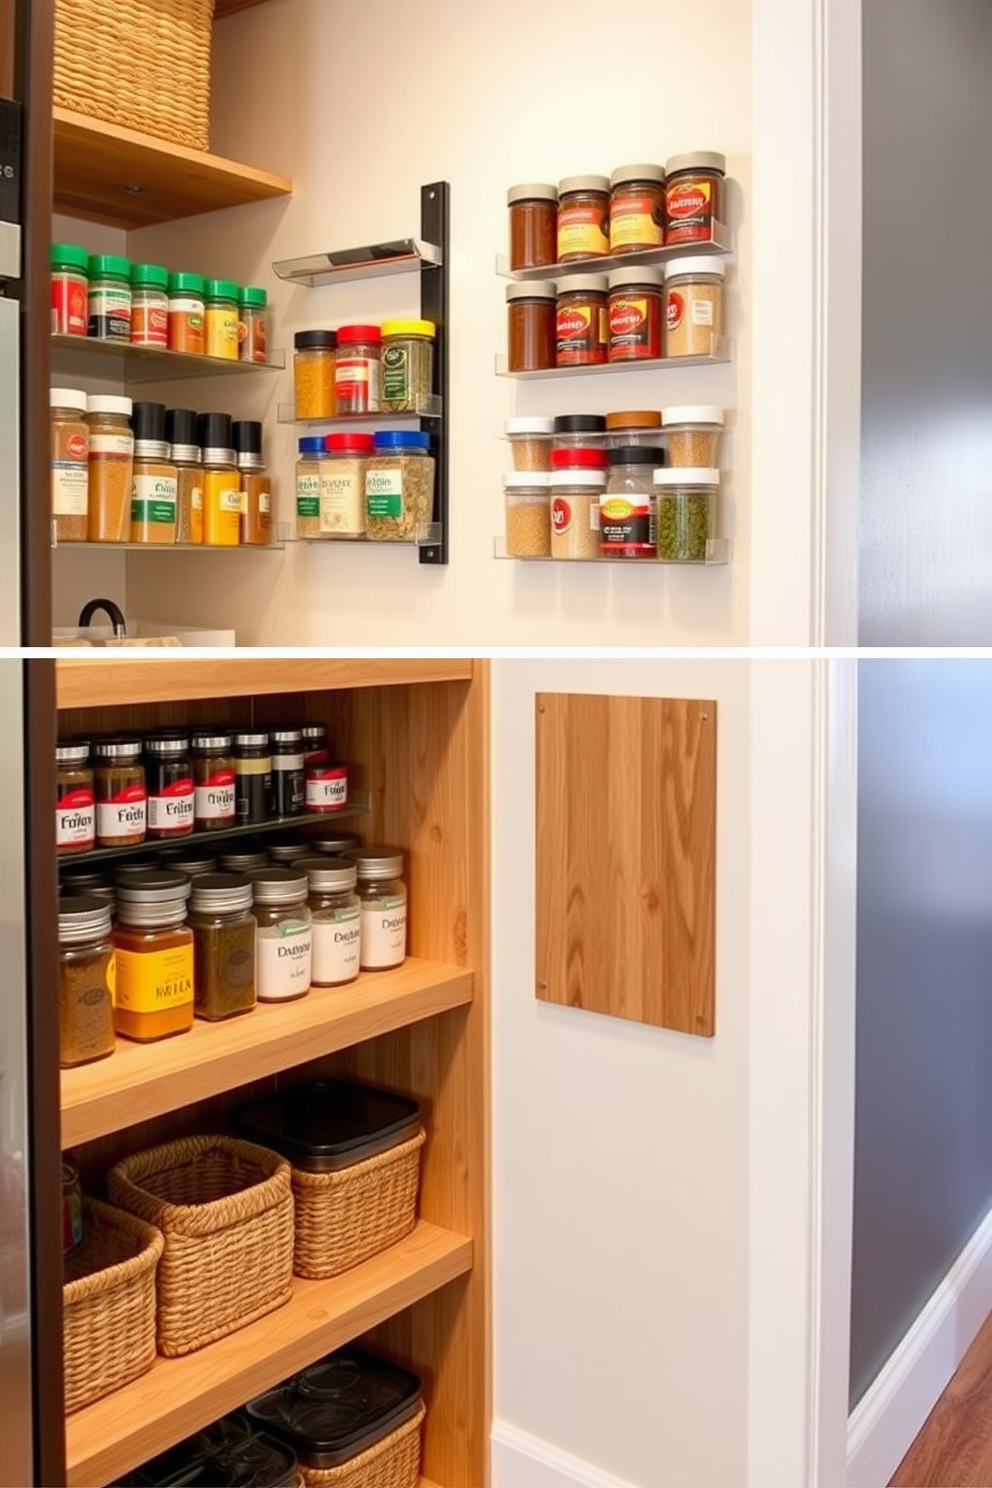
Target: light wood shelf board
[(95, 160), (179, 1396), (224, 8), (98, 682), (141, 1081)]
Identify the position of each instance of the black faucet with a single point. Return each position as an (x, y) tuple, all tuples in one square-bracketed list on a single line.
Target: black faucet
[(111, 611)]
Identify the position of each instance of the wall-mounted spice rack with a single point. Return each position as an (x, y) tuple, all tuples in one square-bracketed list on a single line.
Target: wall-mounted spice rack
[(428, 535), (426, 408), (721, 245), (276, 546), (717, 556), (721, 354), (73, 356)]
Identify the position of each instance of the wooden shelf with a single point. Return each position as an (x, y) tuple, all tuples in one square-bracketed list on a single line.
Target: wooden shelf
[(99, 682), (179, 1396), (224, 8), (140, 1081), (96, 164)]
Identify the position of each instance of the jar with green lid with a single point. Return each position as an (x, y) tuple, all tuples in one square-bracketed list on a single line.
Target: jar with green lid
[(384, 906), (337, 925), (86, 980), (221, 310), (253, 324), (149, 305), (70, 289), (284, 938), (109, 297), (223, 929), (186, 313), (686, 502), (407, 365)]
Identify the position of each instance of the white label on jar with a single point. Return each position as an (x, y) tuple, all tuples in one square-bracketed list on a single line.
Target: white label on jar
[(341, 502), (336, 946), (171, 813), (283, 955), (111, 444), (383, 933), (75, 820), (594, 517), (327, 790), (702, 313), (231, 501), (264, 501), (69, 488), (287, 762), (120, 819), (185, 307), (214, 799), (197, 501)]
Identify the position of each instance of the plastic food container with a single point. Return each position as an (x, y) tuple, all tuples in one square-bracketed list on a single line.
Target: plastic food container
[(528, 514), (692, 433), (686, 515), (633, 426), (694, 306), (228, 1454), (582, 429), (530, 442), (351, 1409)]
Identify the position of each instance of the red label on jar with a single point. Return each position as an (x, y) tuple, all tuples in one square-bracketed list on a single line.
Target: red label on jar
[(75, 819), (676, 309), (627, 527), (77, 447), (579, 336), (70, 309), (561, 514), (326, 788), (171, 810), (689, 212), (635, 327)]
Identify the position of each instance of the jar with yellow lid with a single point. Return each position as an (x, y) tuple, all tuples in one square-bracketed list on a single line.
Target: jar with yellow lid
[(407, 365)]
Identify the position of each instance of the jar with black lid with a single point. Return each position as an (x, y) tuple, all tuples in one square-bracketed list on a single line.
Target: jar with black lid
[(214, 780), (86, 1005), (121, 797), (337, 926), (288, 772), (169, 779), (75, 806), (579, 431), (313, 374), (253, 776), (223, 929), (627, 527)]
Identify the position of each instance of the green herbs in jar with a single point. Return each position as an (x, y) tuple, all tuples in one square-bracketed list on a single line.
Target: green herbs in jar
[(407, 365), (399, 487), (686, 513)]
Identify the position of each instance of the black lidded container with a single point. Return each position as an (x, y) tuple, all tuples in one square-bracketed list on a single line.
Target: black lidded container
[(339, 1407), (229, 1454), (326, 1125)]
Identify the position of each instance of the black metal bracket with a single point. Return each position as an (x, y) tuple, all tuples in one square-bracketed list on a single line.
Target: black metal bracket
[(435, 227)]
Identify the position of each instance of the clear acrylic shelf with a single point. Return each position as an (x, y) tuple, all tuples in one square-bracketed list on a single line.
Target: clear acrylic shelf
[(276, 546), (721, 354), (372, 261), (425, 536), (717, 555), (720, 245), (151, 363), (429, 407)]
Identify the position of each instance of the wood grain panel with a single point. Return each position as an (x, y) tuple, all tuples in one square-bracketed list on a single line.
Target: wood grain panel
[(224, 8), (626, 833), (954, 1446)]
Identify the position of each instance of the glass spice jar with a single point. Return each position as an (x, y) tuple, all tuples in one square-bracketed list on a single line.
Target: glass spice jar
[(70, 464), (186, 455), (342, 484), (633, 426), (383, 894), (309, 473), (627, 506), (252, 776), (75, 803), (155, 483), (284, 937), (288, 772), (149, 305), (109, 297), (530, 442), (86, 980), (337, 924), (325, 786), (70, 289), (154, 955), (186, 314), (224, 931), (692, 435), (686, 513), (358, 369), (586, 430), (583, 218), (527, 496), (240, 860), (315, 747), (582, 328), (213, 780), (694, 196), (335, 845), (110, 469), (222, 494), (407, 365), (253, 324), (119, 788), (169, 782), (220, 309), (575, 497), (314, 360), (694, 314), (637, 208), (531, 326), (533, 211), (399, 486), (635, 314), (256, 484)]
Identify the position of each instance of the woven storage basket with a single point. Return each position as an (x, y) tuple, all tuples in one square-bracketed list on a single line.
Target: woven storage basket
[(141, 64), (225, 1210), (343, 1218), (392, 1463), (108, 1304)]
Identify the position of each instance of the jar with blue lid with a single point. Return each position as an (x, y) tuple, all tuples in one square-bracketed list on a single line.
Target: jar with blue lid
[(309, 469), (399, 487)]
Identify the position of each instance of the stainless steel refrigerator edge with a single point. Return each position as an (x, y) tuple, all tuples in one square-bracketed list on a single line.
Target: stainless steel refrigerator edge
[(10, 440)]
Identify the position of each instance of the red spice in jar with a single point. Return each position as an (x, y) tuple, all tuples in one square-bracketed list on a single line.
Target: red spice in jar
[(635, 314), (694, 196), (581, 321), (533, 225), (530, 326)]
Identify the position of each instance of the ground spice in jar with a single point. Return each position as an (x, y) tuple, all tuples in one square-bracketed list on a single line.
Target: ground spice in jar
[(222, 495), (583, 218), (70, 287), (342, 485), (399, 486), (224, 930), (358, 369), (530, 442), (220, 306), (337, 924), (111, 467), (686, 513), (635, 314), (528, 514), (314, 361), (186, 455), (253, 324), (121, 797), (694, 319), (533, 211), (149, 305), (86, 980), (692, 435), (256, 484), (531, 326), (693, 196), (70, 464), (169, 782), (575, 496), (109, 299), (154, 487), (309, 470), (75, 804), (187, 314), (214, 780), (581, 321), (154, 955), (284, 938), (637, 208), (627, 508)]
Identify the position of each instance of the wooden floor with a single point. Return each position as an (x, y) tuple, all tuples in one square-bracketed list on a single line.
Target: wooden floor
[(954, 1448)]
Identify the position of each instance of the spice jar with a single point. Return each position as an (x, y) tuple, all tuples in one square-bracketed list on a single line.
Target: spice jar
[(338, 844), (531, 326), (187, 860), (575, 457), (222, 495), (337, 925), (533, 211), (326, 786), (686, 513), (587, 430), (242, 860), (186, 455), (692, 435), (633, 426), (253, 324), (575, 496), (111, 467), (694, 196), (121, 797), (224, 932), (358, 369), (109, 297), (252, 776), (384, 907), (75, 803), (78, 878), (342, 484), (635, 314), (220, 306), (627, 506), (285, 850), (288, 772), (407, 365), (527, 496), (169, 781), (530, 442), (149, 305), (154, 488), (186, 314), (70, 464), (315, 747), (70, 289), (309, 470), (637, 208), (581, 321), (583, 218), (256, 484), (284, 937), (313, 374), (399, 486), (213, 779), (694, 318), (154, 955), (86, 980)]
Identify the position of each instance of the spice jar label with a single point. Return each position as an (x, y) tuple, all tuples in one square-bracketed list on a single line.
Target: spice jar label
[(308, 496), (75, 819), (112, 444), (383, 939), (153, 499), (150, 981), (214, 796), (384, 493), (628, 527), (676, 310), (561, 514), (123, 815), (634, 223), (702, 312), (336, 945), (395, 374), (70, 481), (327, 789), (582, 231), (172, 810), (689, 210), (283, 960), (341, 505)]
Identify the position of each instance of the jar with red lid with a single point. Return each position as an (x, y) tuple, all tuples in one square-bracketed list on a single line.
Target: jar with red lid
[(531, 317), (637, 208), (693, 196), (574, 457), (342, 484), (358, 369), (583, 218), (636, 297), (581, 320), (533, 225)]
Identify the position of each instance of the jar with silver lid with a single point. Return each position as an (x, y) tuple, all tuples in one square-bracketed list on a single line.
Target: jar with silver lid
[(214, 779), (336, 845), (154, 954), (224, 932), (189, 862), (337, 926), (75, 806), (384, 906), (284, 938), (288, 772), (242, 860), (169, 782), (285, 850), (252, 776), (86, 955), (121, 797)]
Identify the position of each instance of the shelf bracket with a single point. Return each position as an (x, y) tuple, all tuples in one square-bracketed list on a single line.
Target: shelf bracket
[(435, 227)]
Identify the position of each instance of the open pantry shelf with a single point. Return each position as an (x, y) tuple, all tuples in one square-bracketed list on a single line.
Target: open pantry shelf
[(427, 408), (83, 355), (371, 261), (179, 1396), (140, 1081), (276, 546), (717, 555), (720, 246)]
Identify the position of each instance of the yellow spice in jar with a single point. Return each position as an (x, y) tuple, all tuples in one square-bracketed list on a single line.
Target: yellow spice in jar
[(313, 375)]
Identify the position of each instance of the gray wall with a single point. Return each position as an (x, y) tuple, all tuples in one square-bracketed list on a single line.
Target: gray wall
[(926, 523), (923, 1123)]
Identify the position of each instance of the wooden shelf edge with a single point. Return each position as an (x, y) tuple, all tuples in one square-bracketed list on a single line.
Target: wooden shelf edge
[(103, 682), (141, 1081), (179, 1396)]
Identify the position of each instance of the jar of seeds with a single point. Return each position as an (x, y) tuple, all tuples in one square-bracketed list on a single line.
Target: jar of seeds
[(575, 498), (528, 514), (692, 433), (530, 442), (686, 516), (399, 486), (694, 308)]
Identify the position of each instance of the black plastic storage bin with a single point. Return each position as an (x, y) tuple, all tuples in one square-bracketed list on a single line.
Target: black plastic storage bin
[(229, 1454)]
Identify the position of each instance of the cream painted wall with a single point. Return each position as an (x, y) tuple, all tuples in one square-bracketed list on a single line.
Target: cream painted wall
[(363, 104)]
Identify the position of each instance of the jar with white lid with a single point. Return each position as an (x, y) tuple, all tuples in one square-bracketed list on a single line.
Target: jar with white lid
[(694, 306), (384, 906), (337, 919), (111, 467), (692, 435), (686, 513), (527, 496), (284, 938), (530, 442), (575, 498)]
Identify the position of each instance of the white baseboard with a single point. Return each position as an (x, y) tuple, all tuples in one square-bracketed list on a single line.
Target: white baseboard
[(523, 1461), (885, 1422)]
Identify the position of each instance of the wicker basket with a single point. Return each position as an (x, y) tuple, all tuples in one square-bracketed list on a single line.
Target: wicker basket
[(343, 1218), (140, 64), (108, 1304), (392, 1463), (225, 1210)]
